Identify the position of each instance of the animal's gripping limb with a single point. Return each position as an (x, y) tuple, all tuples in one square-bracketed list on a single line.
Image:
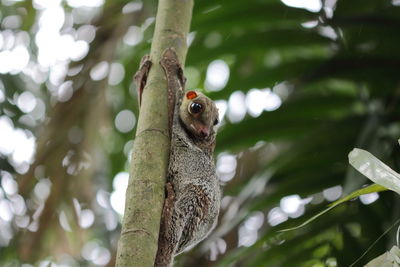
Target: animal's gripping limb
[(175, 80), (141, 76), (165, 247)]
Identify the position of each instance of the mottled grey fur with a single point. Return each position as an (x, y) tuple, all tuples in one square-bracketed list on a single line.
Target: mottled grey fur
[(193, 191)]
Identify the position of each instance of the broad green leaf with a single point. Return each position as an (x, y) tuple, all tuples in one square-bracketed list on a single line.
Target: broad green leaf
[(366, 190), (374, 169), (218, 15), (293, 120)]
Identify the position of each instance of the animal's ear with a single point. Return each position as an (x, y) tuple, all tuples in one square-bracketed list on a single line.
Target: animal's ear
[(191, 95)]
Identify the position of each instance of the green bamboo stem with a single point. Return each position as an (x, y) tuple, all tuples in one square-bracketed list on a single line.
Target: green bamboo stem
[(145, 194)]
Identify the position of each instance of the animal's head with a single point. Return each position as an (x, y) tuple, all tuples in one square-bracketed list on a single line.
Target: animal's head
[(199, 115)]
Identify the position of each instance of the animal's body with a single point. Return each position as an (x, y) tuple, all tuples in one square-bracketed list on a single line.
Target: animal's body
[(193, 192)]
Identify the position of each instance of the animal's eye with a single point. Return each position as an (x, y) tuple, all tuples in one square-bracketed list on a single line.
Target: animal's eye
[(196, 107), (216, 121)]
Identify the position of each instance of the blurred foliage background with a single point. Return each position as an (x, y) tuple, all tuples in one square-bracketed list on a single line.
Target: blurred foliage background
[(297, 88)]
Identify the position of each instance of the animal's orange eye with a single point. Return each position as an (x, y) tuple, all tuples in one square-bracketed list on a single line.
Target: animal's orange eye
[(191, 95)]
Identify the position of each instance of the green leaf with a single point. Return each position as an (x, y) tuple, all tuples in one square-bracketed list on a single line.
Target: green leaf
[(374, 169), (373, 188), (366, 190)]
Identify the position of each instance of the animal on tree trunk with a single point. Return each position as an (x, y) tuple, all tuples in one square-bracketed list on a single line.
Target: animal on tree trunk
[(193, 192)]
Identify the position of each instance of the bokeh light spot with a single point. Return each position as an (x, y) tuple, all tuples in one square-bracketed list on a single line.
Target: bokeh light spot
[(26, 101), (217, 75), (99, 71), (369, 198), (125, 121), (133, 36), (117, 73), (310, 5), (236, 106), (333, 193), (117, 198)]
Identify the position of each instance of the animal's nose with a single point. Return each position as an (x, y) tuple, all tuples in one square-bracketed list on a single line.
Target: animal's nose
[(204, 132)]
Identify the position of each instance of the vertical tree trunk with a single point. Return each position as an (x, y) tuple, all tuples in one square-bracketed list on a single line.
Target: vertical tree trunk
[(145, 194)]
